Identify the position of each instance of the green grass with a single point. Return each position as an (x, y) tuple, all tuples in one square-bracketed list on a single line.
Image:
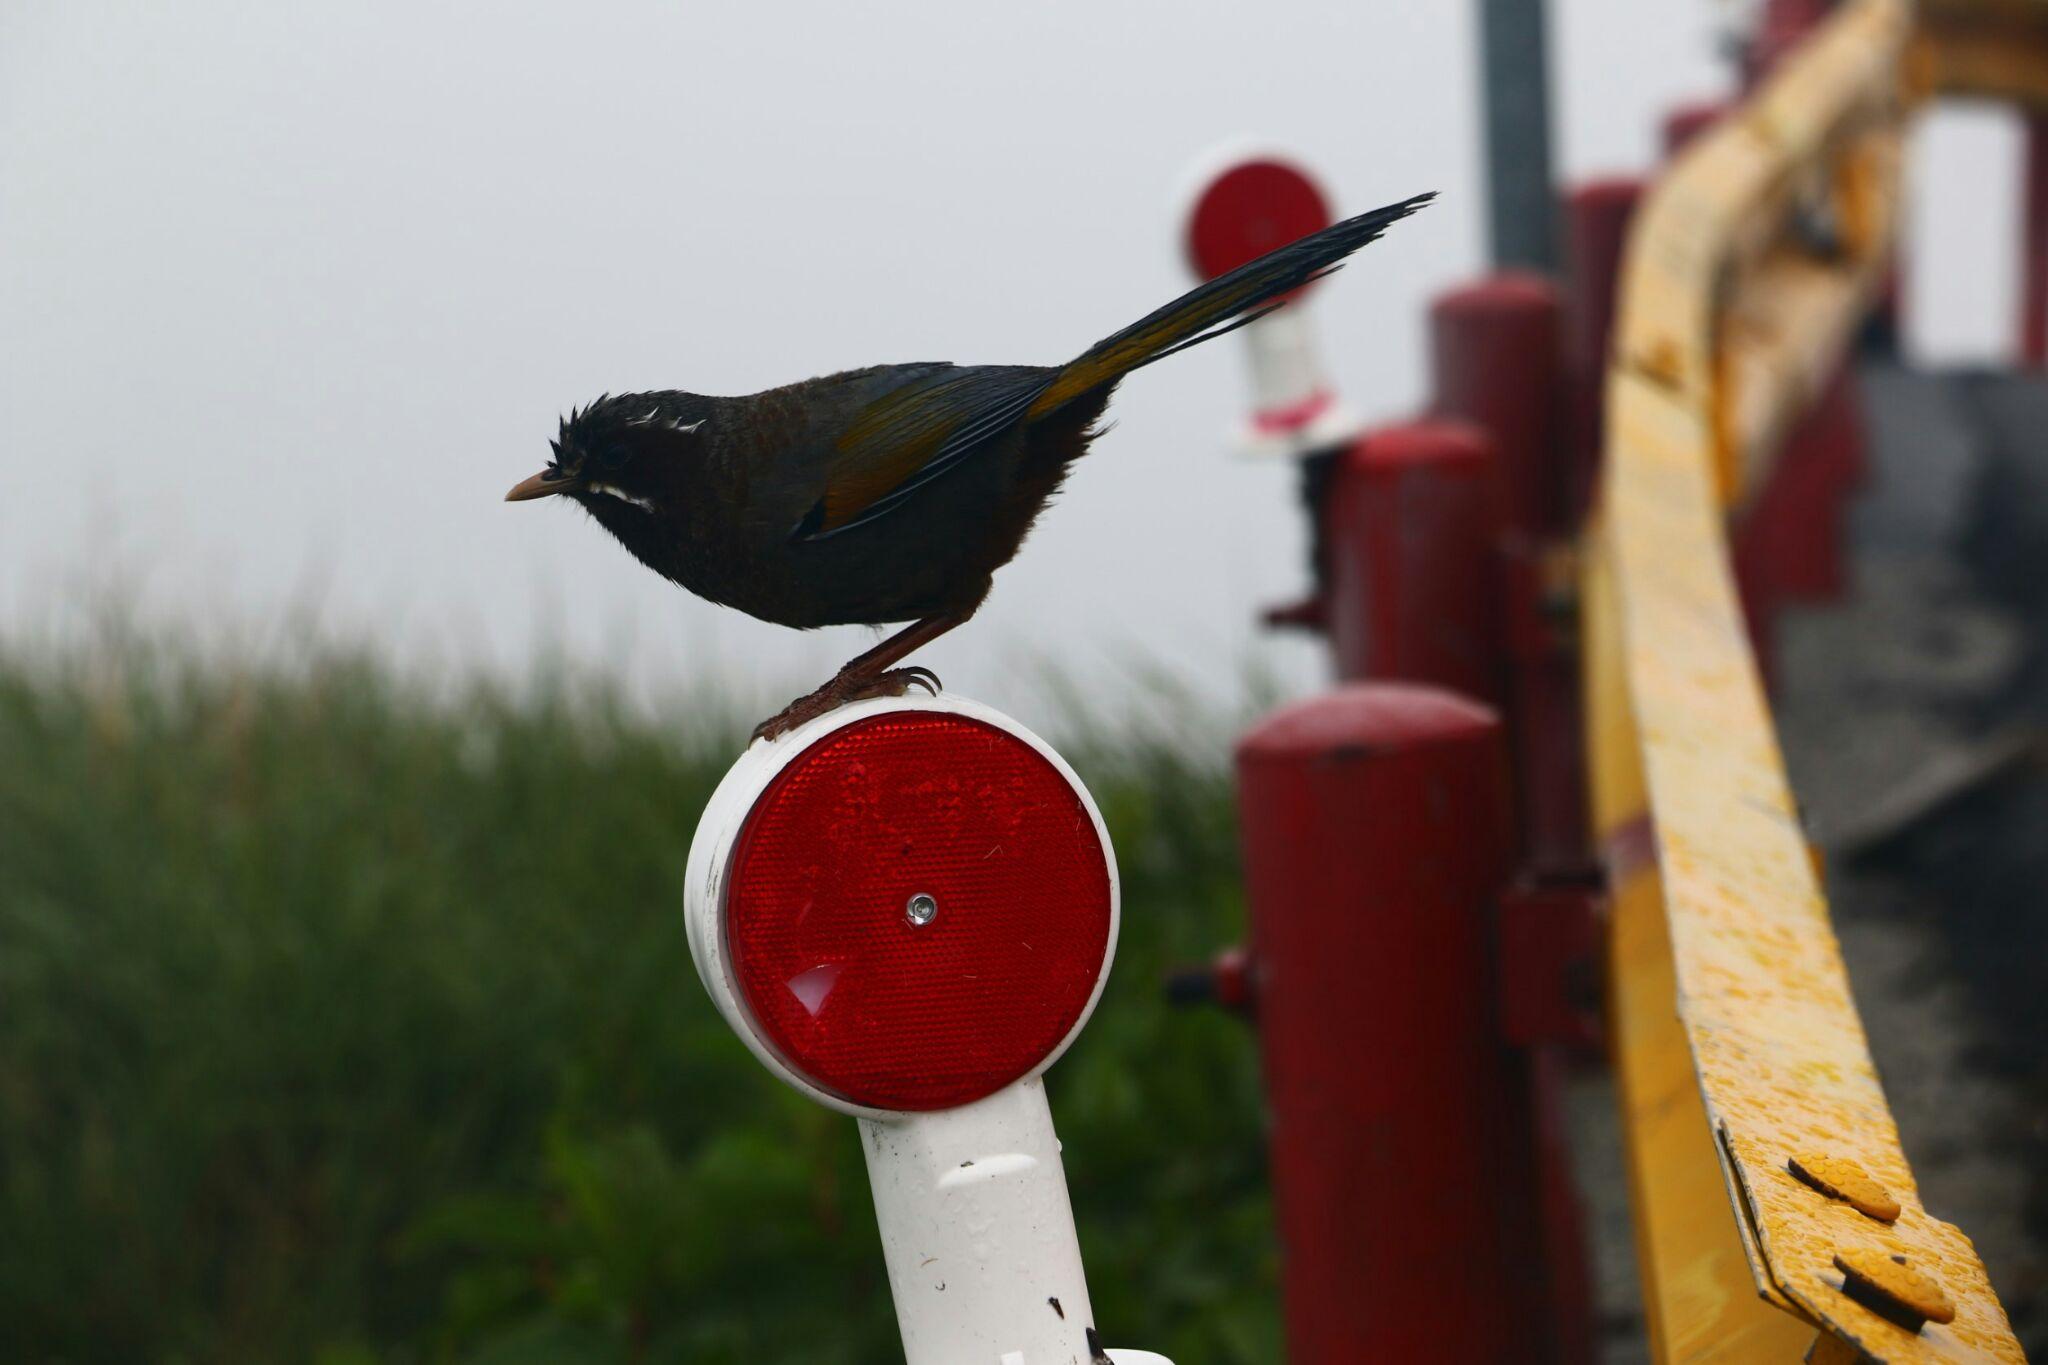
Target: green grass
[(345, 1020)]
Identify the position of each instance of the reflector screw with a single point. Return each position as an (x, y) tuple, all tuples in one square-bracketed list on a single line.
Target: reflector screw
[(922, 909)]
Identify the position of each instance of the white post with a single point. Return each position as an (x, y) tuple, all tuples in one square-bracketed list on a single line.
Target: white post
[(1295, 411), (1240, 201)]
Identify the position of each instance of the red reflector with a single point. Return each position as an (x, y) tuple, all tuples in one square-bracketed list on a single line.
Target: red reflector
[(829, 954), (1255, 207)]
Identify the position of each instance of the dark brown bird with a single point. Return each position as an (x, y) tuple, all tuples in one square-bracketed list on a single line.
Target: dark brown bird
[(881, 495)]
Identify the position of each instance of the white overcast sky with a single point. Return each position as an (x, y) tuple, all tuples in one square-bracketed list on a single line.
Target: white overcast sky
[(290, 293)]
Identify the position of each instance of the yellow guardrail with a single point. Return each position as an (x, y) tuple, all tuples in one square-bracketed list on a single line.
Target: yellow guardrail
[(1740, 1053)]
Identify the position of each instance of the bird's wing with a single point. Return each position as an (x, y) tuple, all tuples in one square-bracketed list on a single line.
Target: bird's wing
[(912, 434)]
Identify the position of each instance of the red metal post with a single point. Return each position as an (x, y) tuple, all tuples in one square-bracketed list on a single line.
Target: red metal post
[(1789, 543), (1411, 521), (1800, 513), (1597, 216), (1497, 350), (1376, 842), (1756, 584), (2034, 247), (1495, 358), (1547, 730)]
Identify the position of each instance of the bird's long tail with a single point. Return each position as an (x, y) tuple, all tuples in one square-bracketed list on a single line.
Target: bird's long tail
[(1222, 305)]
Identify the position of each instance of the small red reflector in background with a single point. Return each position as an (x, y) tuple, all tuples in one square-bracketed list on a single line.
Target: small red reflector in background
[(845, 983), (1249, 210)]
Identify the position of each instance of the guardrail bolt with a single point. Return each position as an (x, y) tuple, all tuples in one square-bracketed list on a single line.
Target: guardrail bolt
[(1888, 1287), (1840, 1178)]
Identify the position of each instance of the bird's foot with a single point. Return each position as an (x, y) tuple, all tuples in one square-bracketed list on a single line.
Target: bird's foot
[(844, 688)]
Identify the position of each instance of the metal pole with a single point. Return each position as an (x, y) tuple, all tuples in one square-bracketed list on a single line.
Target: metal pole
[(1515, 73)]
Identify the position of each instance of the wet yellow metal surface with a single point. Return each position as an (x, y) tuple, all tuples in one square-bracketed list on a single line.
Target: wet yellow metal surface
[(1782, 1064), (1700, 1302), (1719, 911)]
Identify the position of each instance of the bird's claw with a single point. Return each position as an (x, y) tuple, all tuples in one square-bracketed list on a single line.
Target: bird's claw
[(922, 677), (843, 689)]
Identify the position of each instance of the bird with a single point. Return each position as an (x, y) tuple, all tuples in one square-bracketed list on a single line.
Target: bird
[(885, 495)]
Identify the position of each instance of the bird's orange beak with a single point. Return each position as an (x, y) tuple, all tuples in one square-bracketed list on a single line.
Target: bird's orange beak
[(545, 484)]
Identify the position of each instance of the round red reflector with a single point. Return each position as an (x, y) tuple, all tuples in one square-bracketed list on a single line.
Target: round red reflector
[(917, 909), (1249, 210)]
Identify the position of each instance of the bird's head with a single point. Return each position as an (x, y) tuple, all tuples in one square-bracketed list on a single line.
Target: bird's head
[(621, 453)]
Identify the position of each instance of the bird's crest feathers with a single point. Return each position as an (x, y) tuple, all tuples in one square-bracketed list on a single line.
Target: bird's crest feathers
[(587, 428)]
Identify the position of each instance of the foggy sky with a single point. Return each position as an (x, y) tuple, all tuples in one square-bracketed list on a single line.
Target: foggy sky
[(291, 293)]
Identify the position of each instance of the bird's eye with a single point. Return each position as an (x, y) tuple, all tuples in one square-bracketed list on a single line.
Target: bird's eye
[(611, 457)]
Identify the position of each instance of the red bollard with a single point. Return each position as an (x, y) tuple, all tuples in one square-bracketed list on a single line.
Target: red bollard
[(1496, 359), (1788, 542), (1597, 216), (1821, 465), (1548, 731), (1497, 364), (1847, 459), (1757, 586), (1411, 522), (1376, 830)]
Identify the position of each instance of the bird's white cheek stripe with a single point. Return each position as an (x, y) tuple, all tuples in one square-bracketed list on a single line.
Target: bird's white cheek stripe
[(622, 495)]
